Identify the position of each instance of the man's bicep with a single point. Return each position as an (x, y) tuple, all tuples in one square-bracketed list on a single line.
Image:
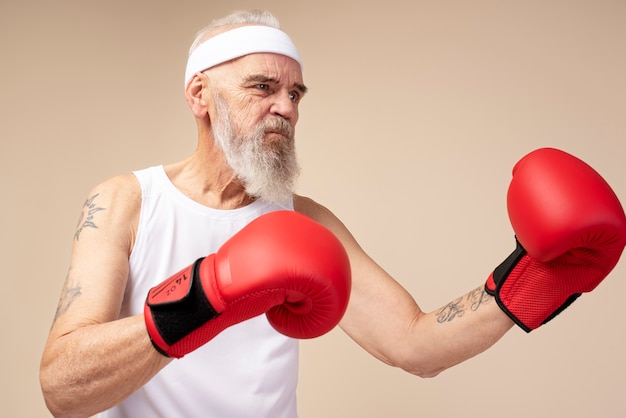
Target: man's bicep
[(98, 271), (379, 308), (93, 288)]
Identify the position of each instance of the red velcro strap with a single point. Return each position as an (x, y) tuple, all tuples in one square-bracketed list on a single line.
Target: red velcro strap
[(174, 289)]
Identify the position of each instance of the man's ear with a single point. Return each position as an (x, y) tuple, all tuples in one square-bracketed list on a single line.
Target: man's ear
[(196, 94)]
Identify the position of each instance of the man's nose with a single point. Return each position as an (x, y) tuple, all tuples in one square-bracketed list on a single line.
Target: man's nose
[(285, 107)]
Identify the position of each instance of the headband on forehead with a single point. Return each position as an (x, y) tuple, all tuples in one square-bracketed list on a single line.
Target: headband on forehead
[(236, 43)]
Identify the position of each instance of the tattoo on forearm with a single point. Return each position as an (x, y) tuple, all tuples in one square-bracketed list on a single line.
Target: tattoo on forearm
[(71, 291), (451, 311), (86, 219), (457, 308), (478, 297)]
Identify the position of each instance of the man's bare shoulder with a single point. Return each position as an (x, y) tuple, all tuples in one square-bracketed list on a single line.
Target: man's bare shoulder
[(113, 202), (122, 190), (123, 185), (310, 208), (324, 216)]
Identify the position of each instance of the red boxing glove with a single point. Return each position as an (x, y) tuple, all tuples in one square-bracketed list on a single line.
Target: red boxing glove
[(570, 229), (283, 264)]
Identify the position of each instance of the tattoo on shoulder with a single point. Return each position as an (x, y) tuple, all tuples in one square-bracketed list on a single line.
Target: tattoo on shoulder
[(71, 291), (457, 308), (86, 220)]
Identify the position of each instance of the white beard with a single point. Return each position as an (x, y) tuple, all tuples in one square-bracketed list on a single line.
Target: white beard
[(267, 170)]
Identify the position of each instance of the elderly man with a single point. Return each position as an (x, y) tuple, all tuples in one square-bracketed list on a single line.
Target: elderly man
[(173, 266)]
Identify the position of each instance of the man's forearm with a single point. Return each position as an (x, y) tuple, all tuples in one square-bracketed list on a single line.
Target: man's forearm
[(455, 332), (97, 366)]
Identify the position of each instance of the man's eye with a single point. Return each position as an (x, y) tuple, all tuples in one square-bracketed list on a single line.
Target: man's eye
[(294, 97), (262, 86)]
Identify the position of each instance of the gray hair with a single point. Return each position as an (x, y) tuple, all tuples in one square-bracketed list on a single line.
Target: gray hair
[(238, 17)]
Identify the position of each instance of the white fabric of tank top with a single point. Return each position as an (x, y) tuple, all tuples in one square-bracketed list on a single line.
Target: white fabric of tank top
[(248, 370)]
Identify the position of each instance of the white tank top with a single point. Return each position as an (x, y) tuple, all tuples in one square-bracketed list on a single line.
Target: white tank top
[(248, 370)]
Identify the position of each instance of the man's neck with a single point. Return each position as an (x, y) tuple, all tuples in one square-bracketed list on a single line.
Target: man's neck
[(207, 179)]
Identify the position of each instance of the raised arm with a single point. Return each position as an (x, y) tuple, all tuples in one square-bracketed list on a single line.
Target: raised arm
[(386, 321), (571, 231), (93, 360)]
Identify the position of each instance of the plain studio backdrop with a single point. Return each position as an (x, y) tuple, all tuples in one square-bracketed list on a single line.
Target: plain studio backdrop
[(416, 114)]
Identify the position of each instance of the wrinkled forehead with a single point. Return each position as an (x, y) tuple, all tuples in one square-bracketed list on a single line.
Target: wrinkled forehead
[(236, 43)]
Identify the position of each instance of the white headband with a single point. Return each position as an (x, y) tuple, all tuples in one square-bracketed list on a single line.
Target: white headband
[(236, 43)]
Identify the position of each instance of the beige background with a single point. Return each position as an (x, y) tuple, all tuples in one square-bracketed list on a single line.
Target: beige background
[(417, 111)]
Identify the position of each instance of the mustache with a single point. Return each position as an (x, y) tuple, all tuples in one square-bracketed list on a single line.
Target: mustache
[(278, 125)]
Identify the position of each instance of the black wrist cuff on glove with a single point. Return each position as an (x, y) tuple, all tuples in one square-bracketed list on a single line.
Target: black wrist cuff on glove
[(175, 319), (504, 269)]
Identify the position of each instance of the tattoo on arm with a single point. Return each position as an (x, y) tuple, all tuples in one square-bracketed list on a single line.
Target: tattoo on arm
[(86, 220), (451, 311), (457, 308), (478, 297), (71, 291)]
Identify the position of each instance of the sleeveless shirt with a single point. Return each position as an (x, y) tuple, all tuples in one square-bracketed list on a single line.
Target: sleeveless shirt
[(249, 369)]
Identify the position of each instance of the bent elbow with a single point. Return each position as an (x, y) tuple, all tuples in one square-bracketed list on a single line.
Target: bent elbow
[(52, 401), (56, 395), (421, 366), (425, 373), (60, 407), (423, 370)]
